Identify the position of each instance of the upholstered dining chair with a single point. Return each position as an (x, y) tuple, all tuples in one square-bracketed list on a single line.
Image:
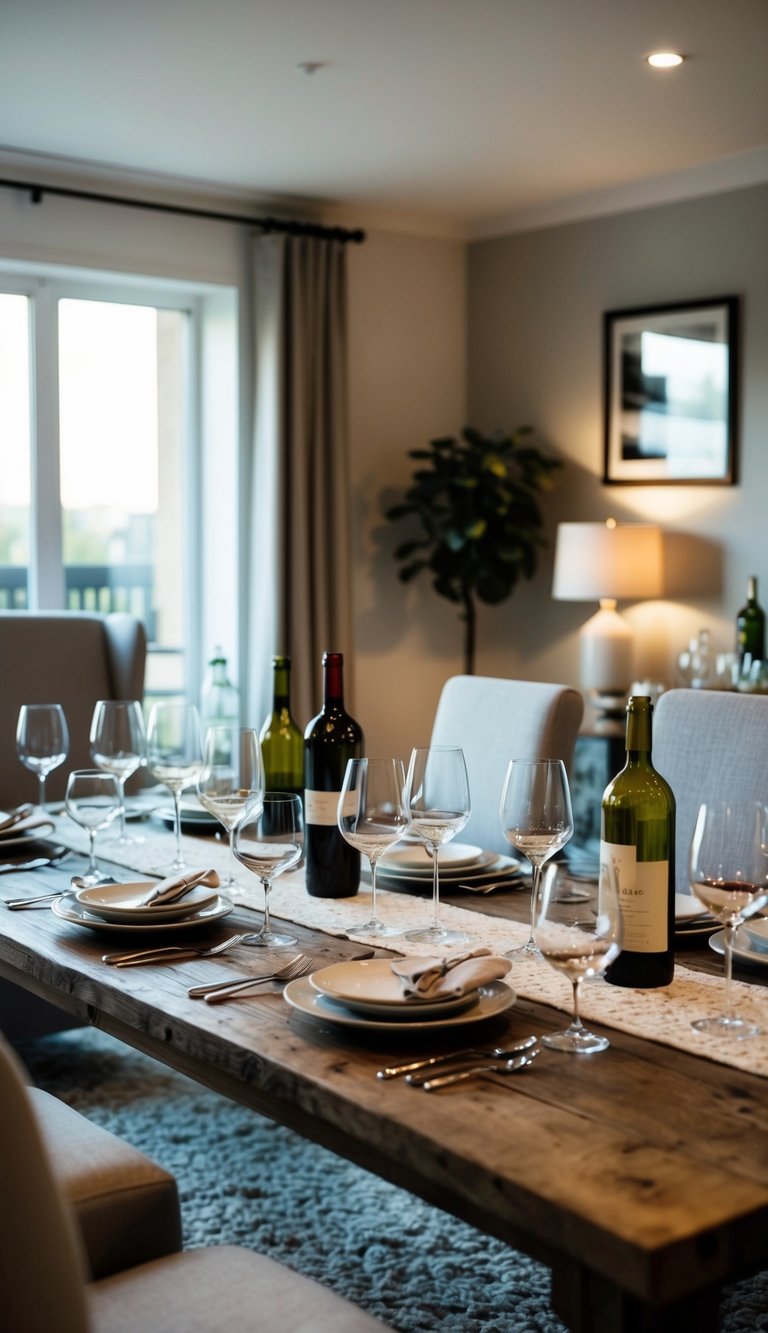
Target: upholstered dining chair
[(709, 745), (43, 1282), (494, 720)]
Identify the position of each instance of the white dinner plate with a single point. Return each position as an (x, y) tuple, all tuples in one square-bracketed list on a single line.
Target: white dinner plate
[(687, 908), (757, 929), (370, 987), (417, 858), (493, 998), (125, 902), (743, 950), (489, 865), (69, 909)]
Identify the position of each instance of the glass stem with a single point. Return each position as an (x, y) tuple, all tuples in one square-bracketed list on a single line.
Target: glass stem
[(728, 942), (435, 888), (232, 857), (92, 852), (41, 789), (123, 830), (177, 824), (266, 885), (373, 860), (535, 876), (576, 1021)]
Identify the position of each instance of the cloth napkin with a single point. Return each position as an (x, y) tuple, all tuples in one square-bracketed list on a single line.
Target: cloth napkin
[(444, 978), (23, 819), (173, 888)]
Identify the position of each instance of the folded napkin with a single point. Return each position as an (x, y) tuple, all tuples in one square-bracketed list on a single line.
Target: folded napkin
[(23, 819), (173, 888), (444, 978)]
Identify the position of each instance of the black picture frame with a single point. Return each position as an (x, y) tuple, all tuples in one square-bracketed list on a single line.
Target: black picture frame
[(670, 382)]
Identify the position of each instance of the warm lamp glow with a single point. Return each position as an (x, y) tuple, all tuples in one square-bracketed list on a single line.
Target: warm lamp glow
[(607, 562), (665, 59)]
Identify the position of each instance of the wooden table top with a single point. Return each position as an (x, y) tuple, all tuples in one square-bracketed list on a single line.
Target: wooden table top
[(639, 1175)]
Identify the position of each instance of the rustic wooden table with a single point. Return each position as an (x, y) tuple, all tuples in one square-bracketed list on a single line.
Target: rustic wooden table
[(640, 1176)]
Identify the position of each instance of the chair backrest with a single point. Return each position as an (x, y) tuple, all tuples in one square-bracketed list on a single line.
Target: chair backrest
[(495, 720), (65, 658), (42, 1274), (709, 745)]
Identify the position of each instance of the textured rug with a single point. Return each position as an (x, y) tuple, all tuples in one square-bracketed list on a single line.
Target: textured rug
[(246, 1181)]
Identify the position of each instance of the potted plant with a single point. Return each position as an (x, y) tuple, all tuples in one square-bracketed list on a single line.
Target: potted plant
[(475, 501)]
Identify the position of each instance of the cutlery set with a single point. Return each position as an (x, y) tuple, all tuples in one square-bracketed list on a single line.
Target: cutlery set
[(442, 1071)]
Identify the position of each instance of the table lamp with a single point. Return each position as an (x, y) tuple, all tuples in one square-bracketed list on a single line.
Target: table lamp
[(607, 562)]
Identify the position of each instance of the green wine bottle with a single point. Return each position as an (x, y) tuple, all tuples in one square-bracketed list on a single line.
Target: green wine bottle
[(750, 626), (637, 847), (282, 744)]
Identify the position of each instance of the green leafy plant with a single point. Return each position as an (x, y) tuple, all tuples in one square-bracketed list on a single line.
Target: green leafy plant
[(475, 500)]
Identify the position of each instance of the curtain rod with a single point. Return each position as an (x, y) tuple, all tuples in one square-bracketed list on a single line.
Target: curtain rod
[(267, 224)]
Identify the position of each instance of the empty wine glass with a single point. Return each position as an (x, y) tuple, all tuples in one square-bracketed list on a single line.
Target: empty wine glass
[(579, 940), (437, 801), (372, 818), (536, 817), (269, 841), (93, 801), (119, 746), (174, 756), (42, 740), (231, 781), (729, 875)]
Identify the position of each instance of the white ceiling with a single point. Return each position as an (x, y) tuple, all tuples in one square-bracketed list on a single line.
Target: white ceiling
[(469, 116)]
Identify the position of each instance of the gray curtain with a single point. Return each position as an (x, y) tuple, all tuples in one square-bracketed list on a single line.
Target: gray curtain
[(299, 586)]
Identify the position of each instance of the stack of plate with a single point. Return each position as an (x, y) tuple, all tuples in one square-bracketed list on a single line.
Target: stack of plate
[(692, 920), (751, 942), (367, 994), (194, 817), (123, 907), (460, 863)]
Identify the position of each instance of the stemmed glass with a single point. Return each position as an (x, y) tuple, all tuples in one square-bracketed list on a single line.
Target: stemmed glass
[(537, 819), (174, 755), (269, 841), (729, 875), (579, 941), (231, 781), (119, 746), (42, 740), (92, 800), (437, 801), (372, 818)]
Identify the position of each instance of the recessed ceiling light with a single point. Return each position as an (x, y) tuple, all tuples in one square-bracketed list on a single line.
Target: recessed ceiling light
[(665, 59)]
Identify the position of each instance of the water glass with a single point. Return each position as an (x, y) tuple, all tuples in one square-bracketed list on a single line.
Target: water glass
[(42, 740), (268, 842), (92, 801), (372, 818)]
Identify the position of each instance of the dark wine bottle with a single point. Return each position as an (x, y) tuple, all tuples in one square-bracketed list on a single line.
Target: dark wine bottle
[(330, 740), (637, 846), (750, 626), (282, 744)]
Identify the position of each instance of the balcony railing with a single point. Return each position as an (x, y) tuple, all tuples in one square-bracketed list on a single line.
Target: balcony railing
[(100, 588)]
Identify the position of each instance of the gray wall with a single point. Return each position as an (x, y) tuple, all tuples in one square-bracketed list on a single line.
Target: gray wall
[(535, 306)]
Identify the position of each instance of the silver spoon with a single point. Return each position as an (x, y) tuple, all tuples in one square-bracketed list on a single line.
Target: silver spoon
[(461, 1057), (479, 1071)]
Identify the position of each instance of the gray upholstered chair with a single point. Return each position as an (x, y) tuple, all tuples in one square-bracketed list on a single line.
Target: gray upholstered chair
[(65, 658), (43, 1283), (495, 720), (709, 745)]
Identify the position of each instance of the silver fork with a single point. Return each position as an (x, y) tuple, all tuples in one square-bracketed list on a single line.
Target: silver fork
[(225, 990), (171, 953)]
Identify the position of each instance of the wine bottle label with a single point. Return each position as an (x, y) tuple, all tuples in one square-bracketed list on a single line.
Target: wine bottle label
[(322, 807), (642, 887)]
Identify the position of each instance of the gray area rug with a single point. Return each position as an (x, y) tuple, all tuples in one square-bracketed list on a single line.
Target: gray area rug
[(246, 1181)]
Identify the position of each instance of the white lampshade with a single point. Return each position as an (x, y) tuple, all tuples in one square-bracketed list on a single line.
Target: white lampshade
[(606, 562)]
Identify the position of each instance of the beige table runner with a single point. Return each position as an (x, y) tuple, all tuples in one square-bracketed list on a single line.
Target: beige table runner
[(662, 1015)]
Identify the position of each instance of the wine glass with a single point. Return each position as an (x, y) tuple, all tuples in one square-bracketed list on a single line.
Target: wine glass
[(372, 818), (579, 940), (93, 801), (729, 875), (536, 817), (437, 801), (119, 746), (42, 740), (174, 756), (269, 841), (231, 781)]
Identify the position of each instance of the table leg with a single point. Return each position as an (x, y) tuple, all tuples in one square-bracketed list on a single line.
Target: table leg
[(587, 1302)]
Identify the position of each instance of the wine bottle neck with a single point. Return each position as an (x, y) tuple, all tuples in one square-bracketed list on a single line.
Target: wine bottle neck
[(281, 683), (333, 680), (639, 730)]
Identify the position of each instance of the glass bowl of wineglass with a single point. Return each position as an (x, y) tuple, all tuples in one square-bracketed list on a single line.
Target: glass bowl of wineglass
[(119, 746), (580, 940), (42, 741), (175, 756), (269, 841), (92, 801), (372, 818), (230, 784), (437, 801), (537, 819), (728, 868)]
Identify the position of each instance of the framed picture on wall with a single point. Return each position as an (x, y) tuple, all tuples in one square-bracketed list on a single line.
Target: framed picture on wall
[(670, 394)]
